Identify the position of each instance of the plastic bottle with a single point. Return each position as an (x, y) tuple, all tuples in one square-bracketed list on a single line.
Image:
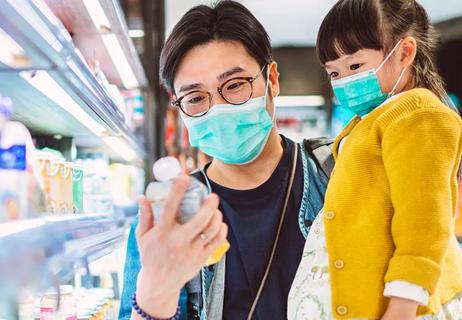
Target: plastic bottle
[(165, 171), (67, 304), (13, 165)]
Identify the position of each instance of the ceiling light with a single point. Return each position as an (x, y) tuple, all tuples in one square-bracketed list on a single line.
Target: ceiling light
[(97, 15), (12, 54), (121, 147), (136, 33), (299, 101), (43, 82), (120, 61)]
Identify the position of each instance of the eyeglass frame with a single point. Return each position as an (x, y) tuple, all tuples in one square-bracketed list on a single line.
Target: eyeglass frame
[(251, 80)]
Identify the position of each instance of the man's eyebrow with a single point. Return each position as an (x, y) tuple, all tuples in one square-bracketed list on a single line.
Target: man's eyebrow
[(226, 74), (221, 77), (189, 87)]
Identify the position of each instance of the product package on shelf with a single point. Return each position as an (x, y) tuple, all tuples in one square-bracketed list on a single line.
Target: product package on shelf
[(126, 183), (69, 303), (20, 193), (61, 182), (135, 109), (97, 196)]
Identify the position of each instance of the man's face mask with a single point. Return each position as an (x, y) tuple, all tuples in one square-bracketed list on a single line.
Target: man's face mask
[(361, 92), (234, 134)]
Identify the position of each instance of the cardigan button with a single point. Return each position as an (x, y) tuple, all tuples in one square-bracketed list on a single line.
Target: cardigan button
[(339, 264), (342, 310), (329, 215)]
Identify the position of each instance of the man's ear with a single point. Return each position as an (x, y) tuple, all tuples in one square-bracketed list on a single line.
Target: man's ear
[(273, 78)]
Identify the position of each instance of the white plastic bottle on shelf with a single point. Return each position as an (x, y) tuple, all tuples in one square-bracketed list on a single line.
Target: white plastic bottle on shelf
[(13, 175), (165, 171), (66, 301)]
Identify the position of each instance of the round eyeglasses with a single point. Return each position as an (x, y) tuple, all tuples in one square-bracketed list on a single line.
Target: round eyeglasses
[(235, 91)]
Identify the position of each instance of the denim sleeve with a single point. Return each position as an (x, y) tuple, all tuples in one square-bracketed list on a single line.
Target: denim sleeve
[(131, 269)]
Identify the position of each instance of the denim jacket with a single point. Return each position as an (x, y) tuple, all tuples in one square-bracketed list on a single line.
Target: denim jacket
[(209, 285)]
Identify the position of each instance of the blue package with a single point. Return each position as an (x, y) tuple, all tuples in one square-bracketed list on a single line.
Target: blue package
[(13, 158)]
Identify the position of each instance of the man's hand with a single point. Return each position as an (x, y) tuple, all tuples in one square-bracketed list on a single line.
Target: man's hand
[(172, 254)]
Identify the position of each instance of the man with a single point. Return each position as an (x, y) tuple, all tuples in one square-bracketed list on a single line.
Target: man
[(217, 65)]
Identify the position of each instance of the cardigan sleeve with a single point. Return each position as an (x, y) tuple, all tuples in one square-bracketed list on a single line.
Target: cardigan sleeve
[(421, 153)]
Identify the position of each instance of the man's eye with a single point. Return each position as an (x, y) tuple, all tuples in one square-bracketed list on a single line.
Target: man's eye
[(355, 66), (234, 86), (196, 99)]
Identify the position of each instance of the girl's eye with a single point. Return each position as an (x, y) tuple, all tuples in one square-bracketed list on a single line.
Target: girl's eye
[(355, 66), (333, 75)]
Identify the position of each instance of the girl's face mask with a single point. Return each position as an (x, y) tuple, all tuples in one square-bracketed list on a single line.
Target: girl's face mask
[(361, 92)]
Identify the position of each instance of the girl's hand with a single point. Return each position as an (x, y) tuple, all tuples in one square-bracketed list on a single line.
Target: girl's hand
[(401, 309)]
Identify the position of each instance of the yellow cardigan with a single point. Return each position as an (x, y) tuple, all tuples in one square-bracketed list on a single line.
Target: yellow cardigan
[(390, 206)]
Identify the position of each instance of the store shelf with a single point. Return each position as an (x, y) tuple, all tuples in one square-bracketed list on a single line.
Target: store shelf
[(47, 250), (53, 89), (93, 23)]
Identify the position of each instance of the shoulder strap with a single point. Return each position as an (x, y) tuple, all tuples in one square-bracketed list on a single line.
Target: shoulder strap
[(320, 150), (194, 286)]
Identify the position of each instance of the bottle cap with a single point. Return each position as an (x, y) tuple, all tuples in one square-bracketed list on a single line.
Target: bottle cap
[(166, 169)]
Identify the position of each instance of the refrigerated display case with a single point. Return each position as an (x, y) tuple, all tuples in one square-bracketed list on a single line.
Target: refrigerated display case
[(54, 57)]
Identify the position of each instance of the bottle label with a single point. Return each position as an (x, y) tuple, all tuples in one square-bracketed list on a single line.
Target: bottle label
[(13, 158), (51, 314), (47, 313)]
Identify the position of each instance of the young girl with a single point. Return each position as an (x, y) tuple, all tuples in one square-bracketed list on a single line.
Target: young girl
[(384, 245)]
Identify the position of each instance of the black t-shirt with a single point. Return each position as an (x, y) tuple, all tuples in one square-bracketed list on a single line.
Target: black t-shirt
[(253, 217)]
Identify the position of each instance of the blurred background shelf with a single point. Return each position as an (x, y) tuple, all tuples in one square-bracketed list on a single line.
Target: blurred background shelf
[(53, 88), (48, 250)]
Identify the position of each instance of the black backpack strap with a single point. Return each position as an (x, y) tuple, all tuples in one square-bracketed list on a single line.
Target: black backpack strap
[(320, 150)]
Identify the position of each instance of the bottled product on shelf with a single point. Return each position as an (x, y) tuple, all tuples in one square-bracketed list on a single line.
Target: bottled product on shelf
[(15, 166), (58, 94), (69, 304), (50, 171), (134, 109), (96, 189), (67, 186), (165, 171), (56, 305), (77, 188), (58, 182), (126, 183)]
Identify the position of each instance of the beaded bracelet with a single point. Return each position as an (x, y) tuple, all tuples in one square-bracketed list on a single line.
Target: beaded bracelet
[(144, 315)]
